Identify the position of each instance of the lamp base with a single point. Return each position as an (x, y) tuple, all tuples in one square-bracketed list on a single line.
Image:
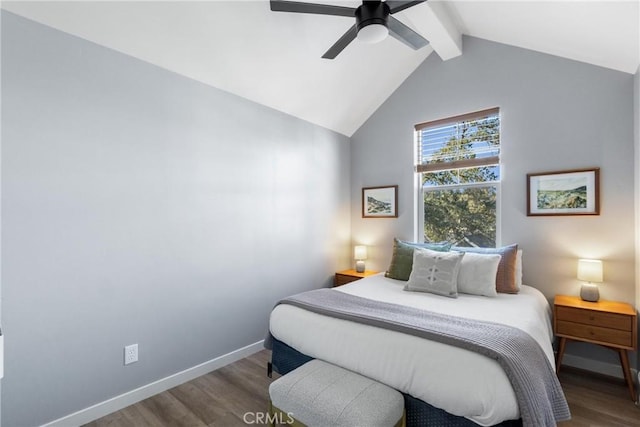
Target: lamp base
[(360, 266), (589, 292)]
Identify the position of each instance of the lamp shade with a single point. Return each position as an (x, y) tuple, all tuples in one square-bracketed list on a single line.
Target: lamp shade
[(590, 270), (360, 252)]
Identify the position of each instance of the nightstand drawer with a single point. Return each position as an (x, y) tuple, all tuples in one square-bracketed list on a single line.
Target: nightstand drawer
[(592, 317), (342, 279), (347, 276), (595, 333)]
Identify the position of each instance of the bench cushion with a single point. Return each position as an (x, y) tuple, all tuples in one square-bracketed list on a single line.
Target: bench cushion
[(321, 394)]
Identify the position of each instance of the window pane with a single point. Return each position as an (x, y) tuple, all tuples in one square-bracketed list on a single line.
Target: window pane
[(461, 140), (463, 216), (462, 176)]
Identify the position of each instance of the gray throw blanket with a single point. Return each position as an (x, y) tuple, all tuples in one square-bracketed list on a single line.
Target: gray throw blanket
[(538, 391)]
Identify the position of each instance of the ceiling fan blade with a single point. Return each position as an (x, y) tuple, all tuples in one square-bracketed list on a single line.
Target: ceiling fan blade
[(397, 5), (405, 34), (320, 9), (344, 41)]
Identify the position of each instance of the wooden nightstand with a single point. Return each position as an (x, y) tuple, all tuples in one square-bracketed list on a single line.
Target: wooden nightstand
[(348, 276), (608, 323)]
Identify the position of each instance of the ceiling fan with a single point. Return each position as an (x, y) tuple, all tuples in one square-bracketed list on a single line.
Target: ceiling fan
[(373, 21)]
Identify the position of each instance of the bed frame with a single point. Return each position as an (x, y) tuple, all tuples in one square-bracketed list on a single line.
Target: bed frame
[(419, 414)]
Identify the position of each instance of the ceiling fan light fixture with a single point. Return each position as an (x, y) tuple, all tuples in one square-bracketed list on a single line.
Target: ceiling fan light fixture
[(373, 21), (373, 33)]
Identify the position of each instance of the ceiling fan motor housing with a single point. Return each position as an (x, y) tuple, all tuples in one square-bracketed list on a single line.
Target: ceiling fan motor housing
[(372, 12)]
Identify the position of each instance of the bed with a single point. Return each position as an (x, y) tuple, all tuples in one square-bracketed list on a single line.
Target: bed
[(458, 384)]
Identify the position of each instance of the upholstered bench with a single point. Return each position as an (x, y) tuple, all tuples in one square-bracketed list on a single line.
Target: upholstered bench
[(319, 394)]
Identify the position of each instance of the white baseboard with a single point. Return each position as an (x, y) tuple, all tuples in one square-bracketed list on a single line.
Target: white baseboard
[(609, 369), (129, 398)]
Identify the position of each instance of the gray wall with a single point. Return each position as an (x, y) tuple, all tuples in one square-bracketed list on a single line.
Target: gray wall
[(143, 207), (557, 114)]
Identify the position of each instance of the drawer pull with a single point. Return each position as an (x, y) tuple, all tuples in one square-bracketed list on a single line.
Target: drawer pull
[(591, 318)]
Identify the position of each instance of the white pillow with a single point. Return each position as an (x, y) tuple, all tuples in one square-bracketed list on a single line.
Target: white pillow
[(435, 272), (477, 275), (519, 269)]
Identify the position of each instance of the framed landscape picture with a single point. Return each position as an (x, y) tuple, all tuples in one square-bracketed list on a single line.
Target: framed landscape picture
[(572, 192), (380, 202)]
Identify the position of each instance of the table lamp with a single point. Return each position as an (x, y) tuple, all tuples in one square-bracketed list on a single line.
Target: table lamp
[(360, 254), (590, 271)]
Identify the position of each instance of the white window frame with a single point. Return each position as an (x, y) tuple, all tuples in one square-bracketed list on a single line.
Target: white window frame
[(419, 190)]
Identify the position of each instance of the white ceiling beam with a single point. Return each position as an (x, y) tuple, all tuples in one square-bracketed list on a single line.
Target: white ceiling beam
[(434, 22)]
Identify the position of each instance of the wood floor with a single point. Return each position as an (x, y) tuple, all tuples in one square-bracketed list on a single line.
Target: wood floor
[(597, 400), (223, 397), (220, 398)]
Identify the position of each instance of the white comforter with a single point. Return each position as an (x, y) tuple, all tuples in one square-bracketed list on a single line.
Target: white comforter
[(461, 382)]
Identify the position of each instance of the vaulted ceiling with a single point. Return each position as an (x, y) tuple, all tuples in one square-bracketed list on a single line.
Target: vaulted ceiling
[(275, 58)]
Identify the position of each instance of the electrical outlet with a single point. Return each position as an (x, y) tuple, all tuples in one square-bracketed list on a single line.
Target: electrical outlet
[(130, 354)]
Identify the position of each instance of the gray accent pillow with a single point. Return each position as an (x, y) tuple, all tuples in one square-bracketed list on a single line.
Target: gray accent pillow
[(435, 272), (506, 281), (402, 258)]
